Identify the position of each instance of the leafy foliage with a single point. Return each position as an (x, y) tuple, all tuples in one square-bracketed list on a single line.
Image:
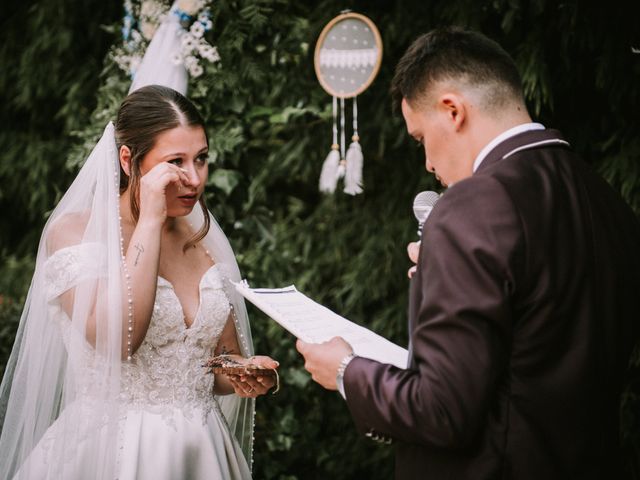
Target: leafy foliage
[(269, 129)]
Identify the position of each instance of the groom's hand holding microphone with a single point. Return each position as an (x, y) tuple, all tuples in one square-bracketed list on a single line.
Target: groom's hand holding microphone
[(422, 206)]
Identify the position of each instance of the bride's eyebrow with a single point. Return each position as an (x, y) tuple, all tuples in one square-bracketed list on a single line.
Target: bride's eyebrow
[(176, 154), (182, 154)]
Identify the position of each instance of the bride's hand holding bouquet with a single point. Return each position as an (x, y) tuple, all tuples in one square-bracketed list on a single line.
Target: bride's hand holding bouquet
[(249, 377)]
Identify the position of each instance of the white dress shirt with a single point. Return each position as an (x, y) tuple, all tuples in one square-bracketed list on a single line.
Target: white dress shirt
[(512, 132)]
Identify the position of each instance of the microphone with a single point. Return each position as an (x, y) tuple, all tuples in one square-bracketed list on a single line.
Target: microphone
[(422, 206)]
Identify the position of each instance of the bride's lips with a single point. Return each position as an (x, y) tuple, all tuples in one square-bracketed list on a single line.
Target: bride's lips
[(188, 200)]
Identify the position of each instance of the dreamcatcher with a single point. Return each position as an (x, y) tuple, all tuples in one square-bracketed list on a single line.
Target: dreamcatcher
[(347, 59)]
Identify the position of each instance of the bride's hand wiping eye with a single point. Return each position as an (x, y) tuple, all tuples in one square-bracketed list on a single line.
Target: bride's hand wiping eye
[(153, 187)]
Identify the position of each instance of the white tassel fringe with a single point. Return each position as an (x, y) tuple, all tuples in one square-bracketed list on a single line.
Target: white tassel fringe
[(353, 174), (329, 174)]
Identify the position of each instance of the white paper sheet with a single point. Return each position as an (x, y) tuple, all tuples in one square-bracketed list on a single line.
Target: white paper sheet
[(314, 323)]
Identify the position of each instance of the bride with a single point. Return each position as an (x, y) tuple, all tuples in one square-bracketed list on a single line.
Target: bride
[(131, 296)]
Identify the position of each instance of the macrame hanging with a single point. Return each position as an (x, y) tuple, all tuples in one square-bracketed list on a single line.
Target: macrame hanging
[(347, 59)]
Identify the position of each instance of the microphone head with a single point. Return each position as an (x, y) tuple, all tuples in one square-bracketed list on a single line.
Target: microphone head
[(423, 203)]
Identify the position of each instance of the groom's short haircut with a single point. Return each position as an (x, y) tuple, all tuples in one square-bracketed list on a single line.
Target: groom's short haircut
[(463, 57)]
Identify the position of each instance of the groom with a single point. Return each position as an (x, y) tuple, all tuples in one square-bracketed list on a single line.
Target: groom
[(525, 305)]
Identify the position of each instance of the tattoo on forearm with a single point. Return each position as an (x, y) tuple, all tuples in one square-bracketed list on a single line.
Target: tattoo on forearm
[(140, 250)]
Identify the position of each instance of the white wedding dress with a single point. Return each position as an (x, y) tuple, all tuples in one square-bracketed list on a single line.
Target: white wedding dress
[(171, 426)]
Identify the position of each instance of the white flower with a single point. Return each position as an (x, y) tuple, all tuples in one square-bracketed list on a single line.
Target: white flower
[(148, 29), (207, 24), (150, 10), (197, 30), (134, 64), (212, 55), (190, 61), (122, 62), (176, 59), (190, 7), (196, 70), (203, 17), (188, 43), (204, 49), (208, 52), (186, 38)]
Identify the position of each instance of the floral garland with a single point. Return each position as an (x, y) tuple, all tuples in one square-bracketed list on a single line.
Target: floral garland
[(143, 18)]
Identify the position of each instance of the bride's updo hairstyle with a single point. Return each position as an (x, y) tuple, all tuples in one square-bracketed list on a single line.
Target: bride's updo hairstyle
[(143, 115)]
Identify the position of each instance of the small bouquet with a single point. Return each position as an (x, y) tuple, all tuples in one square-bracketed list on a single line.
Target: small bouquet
[(234, 366), (228, 365)]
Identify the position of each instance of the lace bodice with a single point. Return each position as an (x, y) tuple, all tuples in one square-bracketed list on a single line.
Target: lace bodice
[(167, 370)]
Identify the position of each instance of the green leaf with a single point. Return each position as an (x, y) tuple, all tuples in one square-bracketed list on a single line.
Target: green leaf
[(225, 180)]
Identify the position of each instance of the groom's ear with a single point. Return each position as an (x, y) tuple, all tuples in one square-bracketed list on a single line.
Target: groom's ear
[(125, 159)]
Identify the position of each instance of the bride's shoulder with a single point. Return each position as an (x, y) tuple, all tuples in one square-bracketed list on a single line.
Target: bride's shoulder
[(70, 255), (66, 231)]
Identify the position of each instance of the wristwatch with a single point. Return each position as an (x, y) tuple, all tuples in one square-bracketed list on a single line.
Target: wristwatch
[(340, 375)]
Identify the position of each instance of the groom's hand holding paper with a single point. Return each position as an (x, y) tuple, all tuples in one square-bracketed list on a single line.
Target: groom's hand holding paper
[(317, 328), (322, 360)]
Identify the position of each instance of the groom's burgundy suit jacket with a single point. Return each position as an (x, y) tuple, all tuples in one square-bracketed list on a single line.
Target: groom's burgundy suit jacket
[(522, 316)]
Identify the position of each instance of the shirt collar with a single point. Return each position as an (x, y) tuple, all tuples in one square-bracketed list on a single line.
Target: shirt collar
[(512, 132)]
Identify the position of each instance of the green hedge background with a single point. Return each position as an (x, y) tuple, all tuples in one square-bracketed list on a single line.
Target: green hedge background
[(269, 127)]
